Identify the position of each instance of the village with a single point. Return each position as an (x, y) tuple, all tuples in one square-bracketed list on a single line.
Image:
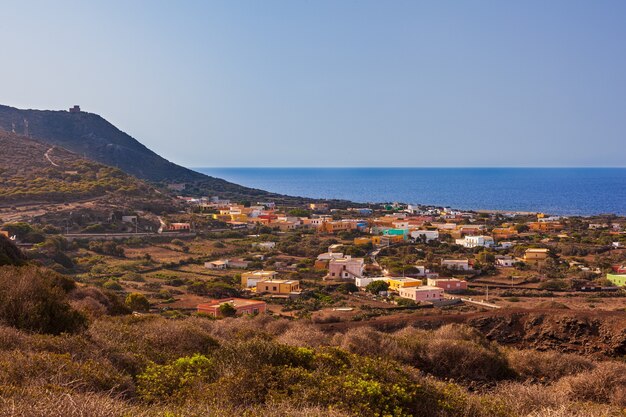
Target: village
[(331, 264)]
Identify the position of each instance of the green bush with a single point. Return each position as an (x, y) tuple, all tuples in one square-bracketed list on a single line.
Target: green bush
[(161, 382)]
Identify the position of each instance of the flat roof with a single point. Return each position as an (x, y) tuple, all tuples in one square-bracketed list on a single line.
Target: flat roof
[(261, 273), (280, 281), (236, 302), (422, 288)]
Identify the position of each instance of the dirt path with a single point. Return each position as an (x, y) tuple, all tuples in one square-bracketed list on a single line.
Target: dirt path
[(47, 155)]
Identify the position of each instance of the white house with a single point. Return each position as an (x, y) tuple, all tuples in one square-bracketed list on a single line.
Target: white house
[(456, 264), (505, 260), (265, 245), (363, 282), (476, 241)]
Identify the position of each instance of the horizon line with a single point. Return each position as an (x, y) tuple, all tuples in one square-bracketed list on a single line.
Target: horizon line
[(408, 167)]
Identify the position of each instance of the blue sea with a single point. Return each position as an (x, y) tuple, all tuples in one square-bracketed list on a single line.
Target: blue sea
[(562, 191)]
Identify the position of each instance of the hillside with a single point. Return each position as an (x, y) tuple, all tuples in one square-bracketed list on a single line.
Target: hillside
[(33, 172), (90, 135)]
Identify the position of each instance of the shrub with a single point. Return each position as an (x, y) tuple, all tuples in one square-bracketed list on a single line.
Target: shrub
[(160, 382), (546, 366), (36, 299), (137, 302)]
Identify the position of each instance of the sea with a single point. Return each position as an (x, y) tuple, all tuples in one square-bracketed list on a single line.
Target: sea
[(559, 191)]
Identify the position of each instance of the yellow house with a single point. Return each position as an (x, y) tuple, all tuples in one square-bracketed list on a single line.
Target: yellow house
[(396, 283), (536, 256), (240, 217), (251, 279), (278, 286), (362, 240)]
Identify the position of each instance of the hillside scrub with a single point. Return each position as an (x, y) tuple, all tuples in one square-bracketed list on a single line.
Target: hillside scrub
[(149, 365)]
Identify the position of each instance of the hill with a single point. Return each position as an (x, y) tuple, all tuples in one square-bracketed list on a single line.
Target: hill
[(91, 136), (34, 172)]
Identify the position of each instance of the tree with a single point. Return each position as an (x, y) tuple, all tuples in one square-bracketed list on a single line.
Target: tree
[(347, 287), (137, 302), (375, 287), (227, 310)]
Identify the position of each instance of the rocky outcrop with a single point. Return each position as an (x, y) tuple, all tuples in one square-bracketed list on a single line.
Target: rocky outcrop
[(600, 332)]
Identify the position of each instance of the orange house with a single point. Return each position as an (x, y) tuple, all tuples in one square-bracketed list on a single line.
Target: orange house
[(241, 305), (545, 226)]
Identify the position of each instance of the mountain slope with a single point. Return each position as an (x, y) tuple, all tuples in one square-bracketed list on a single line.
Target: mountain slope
[(92, 136), (34, 172)]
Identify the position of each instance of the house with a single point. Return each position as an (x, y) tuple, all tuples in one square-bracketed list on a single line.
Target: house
[(324, 258), (266, 246), (75, 109), (337, 226), (425, 235), (129, 219), (335, 248), (242, 306), (450, 285), (362, 240), (536, 256), (456, 264), (504, 232), (221, 264), (396, 283), (251, 279), (475, 241), (617, 280), (424, 293), (365, 281), (278, 286), (505, 260), (175, 227), (345, 268), (545, 226), (422, 270)]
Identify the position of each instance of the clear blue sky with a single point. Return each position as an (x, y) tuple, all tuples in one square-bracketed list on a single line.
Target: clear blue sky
[(333, 83)]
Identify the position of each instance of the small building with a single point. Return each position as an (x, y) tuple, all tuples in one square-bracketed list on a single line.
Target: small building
[(241, 305), (221, 264), (278, 286), (536, 256), (505, 261), (251, 279), (75, 109), (423, 293), (362, 240), (346, 268), (365, 281), (175, 227), (450, 285), (396, 283), (475, 241), (456, 264), (266, 246)]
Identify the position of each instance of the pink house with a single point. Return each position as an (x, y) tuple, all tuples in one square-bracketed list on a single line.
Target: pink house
[(423, 293), (448, 284), (345, 268)]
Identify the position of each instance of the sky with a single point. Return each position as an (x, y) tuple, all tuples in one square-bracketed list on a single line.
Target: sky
[(292, 83)]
